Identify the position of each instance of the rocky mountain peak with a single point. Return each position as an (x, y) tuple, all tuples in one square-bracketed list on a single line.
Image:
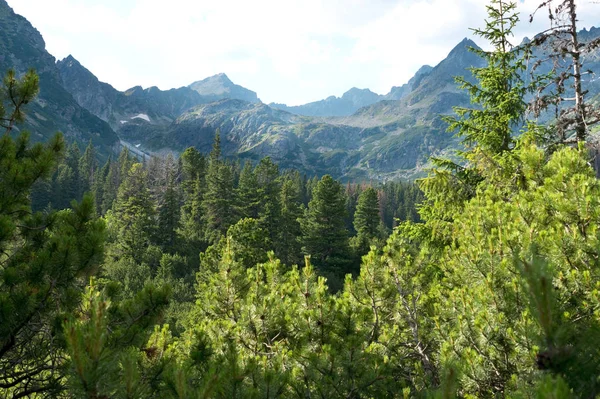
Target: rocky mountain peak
[(463, 47), (219, 86), (360, 97)]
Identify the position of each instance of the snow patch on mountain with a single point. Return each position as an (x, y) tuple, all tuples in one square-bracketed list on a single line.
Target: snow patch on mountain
[(141, 116)]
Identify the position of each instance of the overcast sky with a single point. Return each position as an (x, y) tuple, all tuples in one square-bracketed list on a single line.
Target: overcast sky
[(288, 51)]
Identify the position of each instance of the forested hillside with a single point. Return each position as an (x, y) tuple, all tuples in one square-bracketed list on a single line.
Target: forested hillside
[(202, 277)]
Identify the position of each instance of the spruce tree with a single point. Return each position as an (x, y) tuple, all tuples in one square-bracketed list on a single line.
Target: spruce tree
[(287, 247), (248, 193), (88, 164), (169, 213), (193, 167), (192, 229), (486, 130), (219, 198), (99, 181), (124, 165), (134, 215), (72, 160), (267, 177), (367, 221), (110, 187), (65, 184), (324, 234)]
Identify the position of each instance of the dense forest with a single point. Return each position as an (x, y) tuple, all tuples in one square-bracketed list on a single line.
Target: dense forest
[(198, 277)]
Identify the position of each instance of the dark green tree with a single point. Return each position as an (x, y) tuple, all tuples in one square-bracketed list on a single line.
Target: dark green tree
[(367, 221), (65, 184), (193, 167), (219, 198), (248, 193), (88, 165), (287, 247), (169, 212), (324, 234), (99, 181), (110, 187), (45, 257), (267, 177), (192, 230), (134, 215)]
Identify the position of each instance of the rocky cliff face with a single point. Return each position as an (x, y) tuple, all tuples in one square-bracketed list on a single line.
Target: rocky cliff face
[(22, 47), (97, 97)]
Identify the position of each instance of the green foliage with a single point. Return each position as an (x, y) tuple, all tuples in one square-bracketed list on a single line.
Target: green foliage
[(288, 247), (88, 164), (495, 294), (367, 221), (325, 237), (14, 94), (248, 195), (44, 257), (134, 215), (112, 352), (219, 197)]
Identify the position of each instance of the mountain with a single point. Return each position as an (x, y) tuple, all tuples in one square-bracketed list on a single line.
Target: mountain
[(352, 100), (152, 105), (349, 103), (358, 136), (22, 47), (387, 139), (399, 92), (219, 87)]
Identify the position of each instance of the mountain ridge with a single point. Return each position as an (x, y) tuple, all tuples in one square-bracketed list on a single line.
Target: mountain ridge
[(22, 47), (363, 135)]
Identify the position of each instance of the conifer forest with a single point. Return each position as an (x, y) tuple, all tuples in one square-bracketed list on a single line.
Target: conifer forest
[(200, 275)]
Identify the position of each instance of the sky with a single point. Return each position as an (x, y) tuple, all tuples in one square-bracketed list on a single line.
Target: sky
[(288, 51)]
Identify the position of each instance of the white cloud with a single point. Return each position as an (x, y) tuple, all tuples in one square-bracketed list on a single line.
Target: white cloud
[(291, 51)]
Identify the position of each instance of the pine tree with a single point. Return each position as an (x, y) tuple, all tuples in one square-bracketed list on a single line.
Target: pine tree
[(248, 193), (110, 187), (219, 198), (135, 216), (169, 212), (267, 177), (88, 164), (287, 247), (367, 221), (72, 160), (45, 257), (99, 182), (115, 348), (324, 234), (192, 230)]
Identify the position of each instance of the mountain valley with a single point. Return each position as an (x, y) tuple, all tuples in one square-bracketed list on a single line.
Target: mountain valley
[(359, 136)]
